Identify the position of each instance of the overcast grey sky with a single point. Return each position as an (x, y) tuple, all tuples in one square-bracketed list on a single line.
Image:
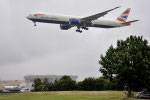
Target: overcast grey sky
[(45, 49)]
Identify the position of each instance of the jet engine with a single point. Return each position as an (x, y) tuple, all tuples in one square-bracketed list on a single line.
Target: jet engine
[(65, 26), (74, 21)]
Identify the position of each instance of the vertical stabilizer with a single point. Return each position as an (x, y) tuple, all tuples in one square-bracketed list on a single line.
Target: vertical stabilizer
[(123, 17)]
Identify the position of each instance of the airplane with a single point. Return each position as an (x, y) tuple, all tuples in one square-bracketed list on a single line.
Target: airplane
[(66, 22)]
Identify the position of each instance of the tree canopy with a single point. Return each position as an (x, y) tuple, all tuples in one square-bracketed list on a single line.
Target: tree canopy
[(128, 62), (96, 84), (65, 84), (42, 85), (37, 84)]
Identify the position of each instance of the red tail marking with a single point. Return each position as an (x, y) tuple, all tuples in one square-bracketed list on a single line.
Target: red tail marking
[(126, 12), (119, 19)]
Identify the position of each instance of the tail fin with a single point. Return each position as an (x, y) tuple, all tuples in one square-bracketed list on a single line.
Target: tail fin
[(123, 17)]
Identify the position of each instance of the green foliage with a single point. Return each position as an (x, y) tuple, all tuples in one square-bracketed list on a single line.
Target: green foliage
[(44, 85), (87, 84), (65, 77), (128, 63), (37, 84), (96, 84), (50, 86), (65, 84)]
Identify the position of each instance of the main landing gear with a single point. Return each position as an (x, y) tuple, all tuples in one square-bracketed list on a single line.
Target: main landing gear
[(78, 30), (85, 28)]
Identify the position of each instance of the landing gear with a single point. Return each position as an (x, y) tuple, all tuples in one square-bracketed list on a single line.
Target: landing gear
[(34, 23), (85, 28), (78, 30)]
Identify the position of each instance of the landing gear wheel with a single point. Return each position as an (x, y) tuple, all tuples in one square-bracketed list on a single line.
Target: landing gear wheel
[(85, 28), (78, 31)]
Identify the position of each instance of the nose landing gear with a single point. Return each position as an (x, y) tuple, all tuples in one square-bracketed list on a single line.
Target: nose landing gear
[(34, 23)]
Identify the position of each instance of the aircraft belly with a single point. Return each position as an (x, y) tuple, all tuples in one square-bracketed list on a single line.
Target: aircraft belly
[(104, 24), (51, 21)]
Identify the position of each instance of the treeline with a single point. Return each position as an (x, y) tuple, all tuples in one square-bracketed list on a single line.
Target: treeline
[(67, 84)]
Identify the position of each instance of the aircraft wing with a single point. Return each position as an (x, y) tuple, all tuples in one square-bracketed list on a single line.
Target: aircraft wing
[(96, 16)]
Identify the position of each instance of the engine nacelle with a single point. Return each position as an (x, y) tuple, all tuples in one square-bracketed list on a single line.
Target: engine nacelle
[(74, 21), (64, 26)]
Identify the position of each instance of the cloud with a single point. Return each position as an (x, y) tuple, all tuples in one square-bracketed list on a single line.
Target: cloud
[(46, 49)]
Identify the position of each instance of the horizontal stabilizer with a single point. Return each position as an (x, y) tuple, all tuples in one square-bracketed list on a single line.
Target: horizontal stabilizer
[(129, 22)]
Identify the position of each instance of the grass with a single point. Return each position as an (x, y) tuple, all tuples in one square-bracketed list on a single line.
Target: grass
[(67, 95)]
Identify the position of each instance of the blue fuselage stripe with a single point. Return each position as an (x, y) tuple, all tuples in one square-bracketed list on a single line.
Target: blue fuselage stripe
[(49, 21)]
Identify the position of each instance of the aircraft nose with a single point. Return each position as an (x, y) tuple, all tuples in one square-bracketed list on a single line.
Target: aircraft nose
[(29, 16)]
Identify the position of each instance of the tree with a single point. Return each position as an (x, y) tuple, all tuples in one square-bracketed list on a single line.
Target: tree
[(94, 84), (87, 84), (37, 84), (50, 86), (65, 84), (45, 85), (128, 63), (65, 77), (104, 84), (42, 85)]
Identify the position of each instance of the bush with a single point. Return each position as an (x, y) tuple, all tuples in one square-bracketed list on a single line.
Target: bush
[(65, 84)]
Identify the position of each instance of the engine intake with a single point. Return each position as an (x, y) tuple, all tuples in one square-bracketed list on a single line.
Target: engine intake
[(74, 21), (65, 26)]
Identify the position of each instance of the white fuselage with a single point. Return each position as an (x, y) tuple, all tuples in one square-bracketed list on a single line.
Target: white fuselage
[(64, 19)]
